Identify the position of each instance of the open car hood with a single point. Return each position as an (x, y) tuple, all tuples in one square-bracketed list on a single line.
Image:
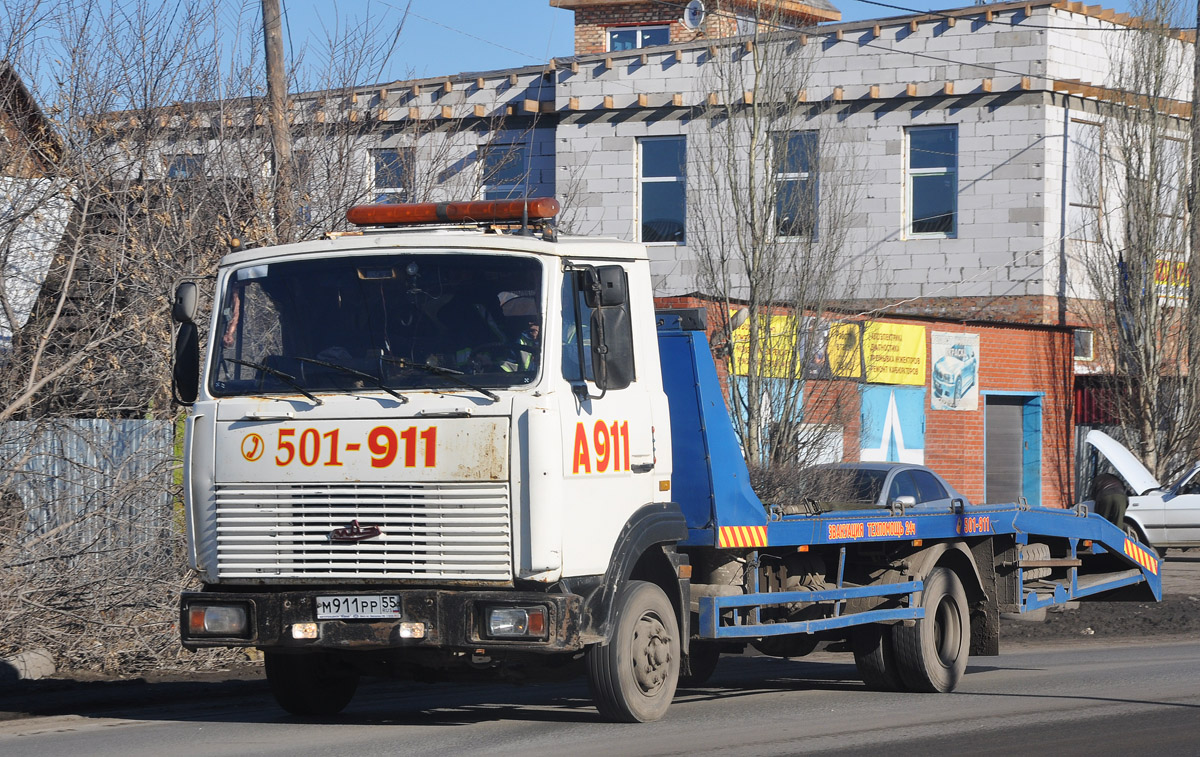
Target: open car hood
[(1128, 466)]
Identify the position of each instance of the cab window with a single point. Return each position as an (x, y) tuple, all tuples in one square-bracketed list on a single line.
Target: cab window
[(576, 334)]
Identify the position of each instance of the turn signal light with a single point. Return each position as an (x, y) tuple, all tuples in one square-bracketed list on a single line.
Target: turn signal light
[(218, 620)]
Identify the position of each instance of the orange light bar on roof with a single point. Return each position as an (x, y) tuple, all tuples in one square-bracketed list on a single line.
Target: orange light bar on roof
[(483, 211)]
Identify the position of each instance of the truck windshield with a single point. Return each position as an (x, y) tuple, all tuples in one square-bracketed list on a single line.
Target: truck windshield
[(379, 322)]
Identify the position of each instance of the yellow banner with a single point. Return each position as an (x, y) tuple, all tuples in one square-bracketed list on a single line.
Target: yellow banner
[(777, 342), (895, 353), (845, 350)]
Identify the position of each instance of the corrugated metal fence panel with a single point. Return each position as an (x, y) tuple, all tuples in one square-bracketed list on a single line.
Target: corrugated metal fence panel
[(100, 485)]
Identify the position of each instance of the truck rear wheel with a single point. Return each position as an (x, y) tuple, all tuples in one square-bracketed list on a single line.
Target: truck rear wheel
[(875, 657), (633, 676), (931, 655), (309, 685)]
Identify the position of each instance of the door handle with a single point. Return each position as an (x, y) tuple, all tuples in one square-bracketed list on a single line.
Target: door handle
[(642, 467)]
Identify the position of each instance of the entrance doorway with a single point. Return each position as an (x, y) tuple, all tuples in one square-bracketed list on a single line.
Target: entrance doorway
[(1013, 448)]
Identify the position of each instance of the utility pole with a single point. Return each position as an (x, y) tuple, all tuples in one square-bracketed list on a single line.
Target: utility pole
[(281, 135)]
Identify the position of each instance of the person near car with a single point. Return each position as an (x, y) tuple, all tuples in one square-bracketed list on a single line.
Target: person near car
[(1110, 498)]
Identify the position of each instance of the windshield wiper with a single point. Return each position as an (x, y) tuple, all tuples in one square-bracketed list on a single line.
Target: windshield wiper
[(357, 373), (450, 373), (287, 378)]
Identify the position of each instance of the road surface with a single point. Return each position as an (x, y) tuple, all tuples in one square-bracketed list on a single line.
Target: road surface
[(1070, 698)]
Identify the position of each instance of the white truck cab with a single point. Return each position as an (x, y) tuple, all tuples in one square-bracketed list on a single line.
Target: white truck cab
[(430, 437)]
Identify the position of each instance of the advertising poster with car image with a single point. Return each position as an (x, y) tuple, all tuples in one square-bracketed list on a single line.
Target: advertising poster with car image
[(954, 380)]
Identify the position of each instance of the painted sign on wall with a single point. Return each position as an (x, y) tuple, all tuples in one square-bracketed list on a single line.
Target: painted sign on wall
[(954, 380), (893, 424)]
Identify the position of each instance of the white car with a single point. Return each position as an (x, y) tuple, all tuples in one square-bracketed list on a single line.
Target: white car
[(1163, 516)]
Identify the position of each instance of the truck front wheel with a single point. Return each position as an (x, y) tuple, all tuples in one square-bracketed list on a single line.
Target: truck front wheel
[(633, 676), (309, 685), (932, 653)]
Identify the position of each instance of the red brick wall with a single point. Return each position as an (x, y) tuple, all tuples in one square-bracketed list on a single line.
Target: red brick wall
[(1013, 359), (592, 24)]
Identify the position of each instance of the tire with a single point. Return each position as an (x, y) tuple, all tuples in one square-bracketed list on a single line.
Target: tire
[(931, 655), (703, 657), (1035, 551), (633, 676), (309, 685), (875, 657)]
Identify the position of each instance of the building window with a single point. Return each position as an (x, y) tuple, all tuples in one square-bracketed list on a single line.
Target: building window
[(932, 180), (505, 171), (1084, 345), (631, 37), (1085, 182), (393, 174), (795, 159), (662, 180), (185, 166)]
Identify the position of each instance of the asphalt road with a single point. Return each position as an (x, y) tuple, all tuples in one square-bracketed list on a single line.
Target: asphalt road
[(1077, 698)]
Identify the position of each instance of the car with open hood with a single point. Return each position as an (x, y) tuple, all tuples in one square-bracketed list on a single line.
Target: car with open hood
[(1162, 516)]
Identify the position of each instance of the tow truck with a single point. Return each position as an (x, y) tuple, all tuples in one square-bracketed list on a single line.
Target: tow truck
[(454, 443)]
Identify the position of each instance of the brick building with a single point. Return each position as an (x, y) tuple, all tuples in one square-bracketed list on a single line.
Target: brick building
[(603, 26)]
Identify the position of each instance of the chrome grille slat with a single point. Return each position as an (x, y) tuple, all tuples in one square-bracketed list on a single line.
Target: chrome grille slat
[(453, 531)]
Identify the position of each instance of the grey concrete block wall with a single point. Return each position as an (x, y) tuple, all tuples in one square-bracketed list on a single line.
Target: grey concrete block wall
[(1010, 172)]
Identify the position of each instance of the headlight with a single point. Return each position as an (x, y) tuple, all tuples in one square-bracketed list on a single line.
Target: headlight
[(218, 620), (516, 622)]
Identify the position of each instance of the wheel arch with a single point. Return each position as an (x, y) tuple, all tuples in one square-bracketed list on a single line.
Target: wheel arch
[(956, 556), (644, 551)]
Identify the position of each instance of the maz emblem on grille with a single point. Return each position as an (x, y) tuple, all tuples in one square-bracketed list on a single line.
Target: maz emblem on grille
[(354, 532)]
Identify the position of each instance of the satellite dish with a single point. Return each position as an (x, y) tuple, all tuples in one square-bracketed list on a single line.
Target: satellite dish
[(693, 14)]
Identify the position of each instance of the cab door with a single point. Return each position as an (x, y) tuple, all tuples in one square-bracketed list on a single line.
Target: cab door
[(607, 434)]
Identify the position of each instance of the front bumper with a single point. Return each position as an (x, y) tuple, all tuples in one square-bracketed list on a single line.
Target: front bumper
[(452, 620)]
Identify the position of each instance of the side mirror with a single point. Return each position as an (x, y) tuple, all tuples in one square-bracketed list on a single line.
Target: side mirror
[(612, 348), (185, 373), (902, 503), (184, 308), (605, 286)]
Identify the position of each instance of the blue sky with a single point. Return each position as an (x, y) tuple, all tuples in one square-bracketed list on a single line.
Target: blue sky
[(451, 36)]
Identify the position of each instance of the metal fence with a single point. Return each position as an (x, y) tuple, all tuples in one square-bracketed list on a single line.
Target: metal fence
[(102, 486)]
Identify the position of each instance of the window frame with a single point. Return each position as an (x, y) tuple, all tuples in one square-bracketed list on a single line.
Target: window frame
[(184, 166), (640, 30), (642, 180), (405, 191), (911, 174), (810, 179), (1081, 338), (1076, 205), (514, 191)]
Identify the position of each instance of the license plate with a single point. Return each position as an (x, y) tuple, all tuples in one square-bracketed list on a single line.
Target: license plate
[(358, 607)]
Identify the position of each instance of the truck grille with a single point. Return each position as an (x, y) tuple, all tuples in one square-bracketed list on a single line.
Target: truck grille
[(448, 531)]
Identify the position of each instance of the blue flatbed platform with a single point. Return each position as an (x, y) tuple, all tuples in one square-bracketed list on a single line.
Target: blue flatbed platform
[(1092, 556)]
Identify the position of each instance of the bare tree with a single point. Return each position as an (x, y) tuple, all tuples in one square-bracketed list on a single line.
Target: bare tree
[(770, 222), (1130, 243)]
